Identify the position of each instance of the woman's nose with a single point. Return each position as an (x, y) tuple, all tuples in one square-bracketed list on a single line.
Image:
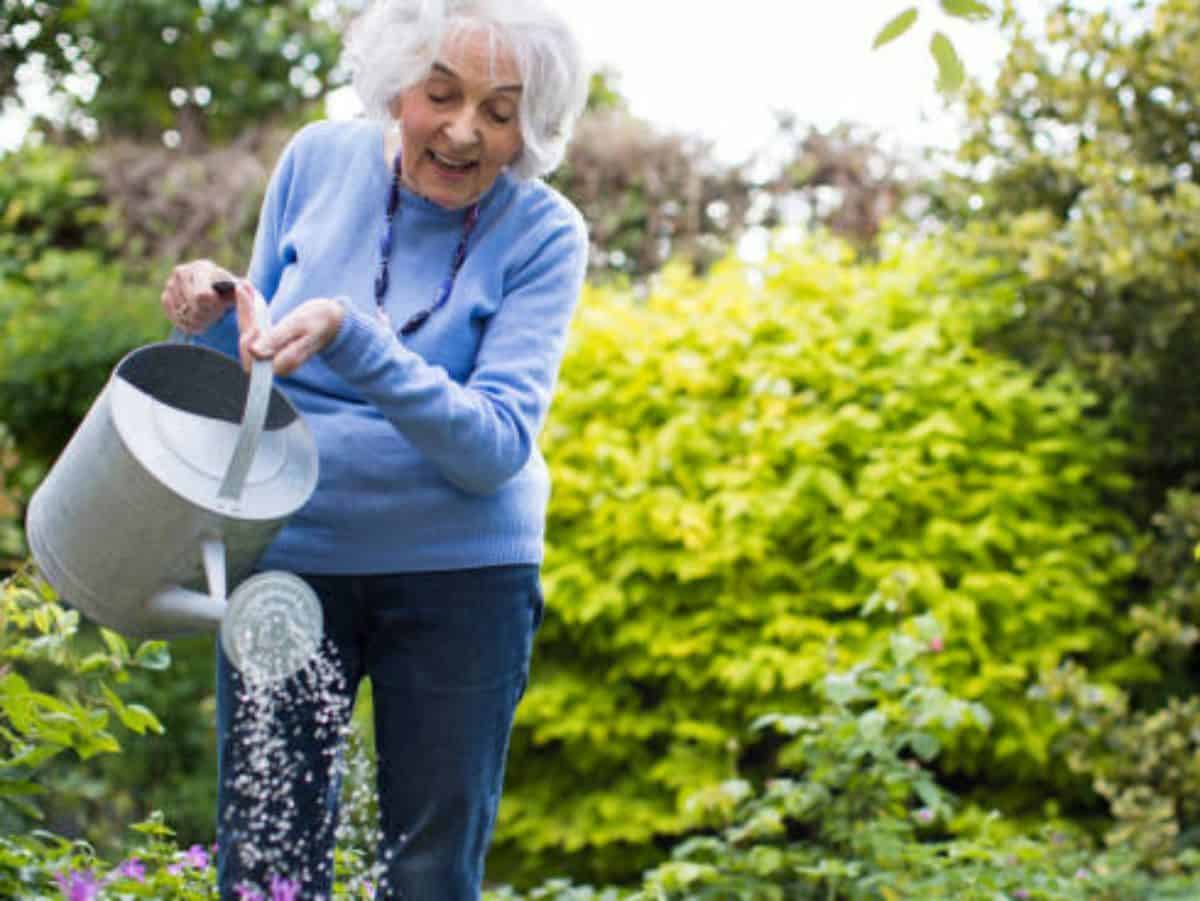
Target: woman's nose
[(461, 129)]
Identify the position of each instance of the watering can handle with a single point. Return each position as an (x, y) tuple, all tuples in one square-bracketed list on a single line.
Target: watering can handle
[(254, 417)]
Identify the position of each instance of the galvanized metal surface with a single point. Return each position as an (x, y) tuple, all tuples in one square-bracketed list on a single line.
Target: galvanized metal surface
[(181, 474)]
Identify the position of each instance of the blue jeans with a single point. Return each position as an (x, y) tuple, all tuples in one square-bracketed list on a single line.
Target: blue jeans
[(448, 658)]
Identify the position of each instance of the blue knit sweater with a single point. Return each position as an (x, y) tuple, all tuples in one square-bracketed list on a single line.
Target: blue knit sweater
[(428, 444)]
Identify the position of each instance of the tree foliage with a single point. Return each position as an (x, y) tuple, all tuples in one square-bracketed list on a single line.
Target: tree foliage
[(1081, 172), (140, 68), (651, 196)]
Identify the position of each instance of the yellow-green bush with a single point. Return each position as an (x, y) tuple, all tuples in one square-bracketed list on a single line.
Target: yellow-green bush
[(738, 463)]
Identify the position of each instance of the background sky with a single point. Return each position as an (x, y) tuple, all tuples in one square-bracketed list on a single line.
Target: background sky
[(719, 69)]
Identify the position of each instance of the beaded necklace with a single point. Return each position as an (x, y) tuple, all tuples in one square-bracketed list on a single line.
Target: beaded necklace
[(385, 252)]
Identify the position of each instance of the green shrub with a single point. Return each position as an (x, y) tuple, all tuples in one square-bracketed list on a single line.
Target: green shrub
[(1081, 172), (737, 462), (1144, 763), (852, 810), (60, 335), (55, 696), (1168, 617), (68, 309)]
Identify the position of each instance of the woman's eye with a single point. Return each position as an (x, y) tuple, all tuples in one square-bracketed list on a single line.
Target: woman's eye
[(439, 98), (501, 117)]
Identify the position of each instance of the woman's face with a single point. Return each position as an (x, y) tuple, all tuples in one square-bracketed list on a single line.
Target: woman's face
[(459, 127)]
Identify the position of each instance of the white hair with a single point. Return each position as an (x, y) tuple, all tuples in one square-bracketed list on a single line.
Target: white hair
[(393, 44)]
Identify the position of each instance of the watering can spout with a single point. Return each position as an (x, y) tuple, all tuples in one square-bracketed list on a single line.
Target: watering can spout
[(186, 610), (192, 610)]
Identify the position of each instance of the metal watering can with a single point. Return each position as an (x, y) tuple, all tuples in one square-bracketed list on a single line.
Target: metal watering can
[(178, 478)]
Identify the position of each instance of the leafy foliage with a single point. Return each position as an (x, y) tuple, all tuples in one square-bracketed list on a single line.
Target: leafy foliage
[(738, 462), (852, 810), (951, 72), (649, 196), (1081, 174), (1144, 763), (54, 696), (143, 67)]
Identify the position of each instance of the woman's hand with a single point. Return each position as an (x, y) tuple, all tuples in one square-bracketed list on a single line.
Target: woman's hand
[(292, 341), (189, 299)]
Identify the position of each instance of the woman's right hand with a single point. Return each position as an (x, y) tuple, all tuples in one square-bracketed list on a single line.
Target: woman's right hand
[(189, 299)]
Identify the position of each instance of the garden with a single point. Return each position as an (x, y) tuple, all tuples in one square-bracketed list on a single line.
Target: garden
[(872, 558)]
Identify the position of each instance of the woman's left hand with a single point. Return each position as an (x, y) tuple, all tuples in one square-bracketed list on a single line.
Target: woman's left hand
[(292, 341)]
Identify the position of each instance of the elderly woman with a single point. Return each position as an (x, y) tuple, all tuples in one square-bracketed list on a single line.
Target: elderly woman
[(421, 280)]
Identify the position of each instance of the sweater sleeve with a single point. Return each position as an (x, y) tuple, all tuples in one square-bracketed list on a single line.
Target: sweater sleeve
[(267, 261), (482, 432)]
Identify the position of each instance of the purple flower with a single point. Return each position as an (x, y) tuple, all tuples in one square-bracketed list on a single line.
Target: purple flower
[(132, 869), (196, 856), (79, 887), (1081, 873), (1021, 893), (925, 815), (246, 893), (284, 889)]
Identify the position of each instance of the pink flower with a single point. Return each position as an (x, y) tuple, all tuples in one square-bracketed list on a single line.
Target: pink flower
[(1021, 893), (132, 869), (196, 857), (79, 887), (284, 889), (936, 644), (1081, 873), (925, 815)]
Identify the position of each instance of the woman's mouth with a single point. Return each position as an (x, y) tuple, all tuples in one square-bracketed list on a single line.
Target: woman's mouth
[(449, 165)]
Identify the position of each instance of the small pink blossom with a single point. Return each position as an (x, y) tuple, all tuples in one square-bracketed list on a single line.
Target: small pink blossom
[(196, 857), (1021, 893), (79, 886), (1081, 873), (925, 815), (132, 869), (936, 644), (284, 889)]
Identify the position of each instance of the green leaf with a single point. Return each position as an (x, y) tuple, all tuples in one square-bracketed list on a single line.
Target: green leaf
[(904, 648), (967, 9), (153, 655), (925, 745), (134, 717), (843, 688), (896, 27), (950, 68), (117, 645)]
